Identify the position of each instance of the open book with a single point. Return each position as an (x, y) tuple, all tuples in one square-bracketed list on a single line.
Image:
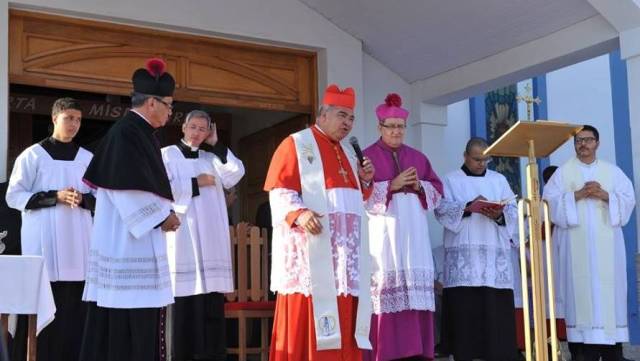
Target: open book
[(479, 204)]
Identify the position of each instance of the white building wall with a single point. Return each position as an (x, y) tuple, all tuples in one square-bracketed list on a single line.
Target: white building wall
[(280, 22), (444, 145), (581, 94)]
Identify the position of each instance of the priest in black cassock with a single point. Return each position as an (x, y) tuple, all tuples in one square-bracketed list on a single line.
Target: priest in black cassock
[(46, 186), (128, 281)]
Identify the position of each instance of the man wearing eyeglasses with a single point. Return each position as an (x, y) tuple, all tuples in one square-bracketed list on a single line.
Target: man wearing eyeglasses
[(320, 267), (478, 315), (128, 280), (591, 200), (405, 189)]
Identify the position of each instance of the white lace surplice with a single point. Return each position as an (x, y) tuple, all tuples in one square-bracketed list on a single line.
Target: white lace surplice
[(200, 250), (60, 233), (477, 250), (128, 266), (403, 270), (290, 265)]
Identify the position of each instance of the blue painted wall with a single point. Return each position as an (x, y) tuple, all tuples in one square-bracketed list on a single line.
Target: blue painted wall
[(478, 117), (624, 159)]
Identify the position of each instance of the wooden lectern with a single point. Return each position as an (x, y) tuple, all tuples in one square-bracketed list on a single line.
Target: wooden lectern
[(534, 140)]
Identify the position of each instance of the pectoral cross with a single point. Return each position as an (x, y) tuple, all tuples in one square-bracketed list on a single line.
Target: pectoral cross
[(343, 173), (529, 99)]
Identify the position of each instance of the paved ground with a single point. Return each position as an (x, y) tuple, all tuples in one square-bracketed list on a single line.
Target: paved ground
[(630, 352)]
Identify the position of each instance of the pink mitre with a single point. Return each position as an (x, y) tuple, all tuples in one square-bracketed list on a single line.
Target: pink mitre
[(392, 108)]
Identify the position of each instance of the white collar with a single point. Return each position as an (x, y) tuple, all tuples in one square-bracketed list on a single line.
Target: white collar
[(193, 149), (589, 165), (141, 116)]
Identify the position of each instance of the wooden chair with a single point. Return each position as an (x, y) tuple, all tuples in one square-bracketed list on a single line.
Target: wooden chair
[(250, 262)]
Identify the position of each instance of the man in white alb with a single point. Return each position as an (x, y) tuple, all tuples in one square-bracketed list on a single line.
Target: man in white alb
[(591, 200)]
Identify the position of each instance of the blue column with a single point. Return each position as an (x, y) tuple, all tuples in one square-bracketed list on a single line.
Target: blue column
[(622, 136), (540, 113), (478, 117)]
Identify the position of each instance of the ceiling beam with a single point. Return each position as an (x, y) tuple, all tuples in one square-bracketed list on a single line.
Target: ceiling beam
[(584, 40), (621, 14)]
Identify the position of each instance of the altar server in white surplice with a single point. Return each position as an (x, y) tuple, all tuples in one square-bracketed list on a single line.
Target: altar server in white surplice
[(200, 168), (591, 200), (478, 271), (46, 186)]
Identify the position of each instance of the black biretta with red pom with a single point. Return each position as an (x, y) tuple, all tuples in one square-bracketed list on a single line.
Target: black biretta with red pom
[(153, 79)]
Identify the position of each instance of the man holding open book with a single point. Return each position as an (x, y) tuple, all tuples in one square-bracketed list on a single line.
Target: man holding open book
[(479, 216)]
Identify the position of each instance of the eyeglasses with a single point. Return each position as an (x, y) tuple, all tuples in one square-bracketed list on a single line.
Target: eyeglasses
[(483, 160), (585, 140), (168, 105), (394, 126)]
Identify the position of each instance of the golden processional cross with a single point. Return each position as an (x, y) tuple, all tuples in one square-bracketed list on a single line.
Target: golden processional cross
[(529, 99)]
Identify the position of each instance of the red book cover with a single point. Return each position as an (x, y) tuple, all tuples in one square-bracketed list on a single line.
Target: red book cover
[(479, 204)]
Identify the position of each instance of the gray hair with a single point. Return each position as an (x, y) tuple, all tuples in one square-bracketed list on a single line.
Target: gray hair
[(138, 99), (198, 114), (323, 109), (475, 142)]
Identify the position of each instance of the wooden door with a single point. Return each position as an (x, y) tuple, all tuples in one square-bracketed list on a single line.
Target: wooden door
[(256, 151)]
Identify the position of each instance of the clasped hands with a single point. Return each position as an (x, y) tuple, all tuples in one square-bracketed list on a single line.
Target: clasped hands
[(592, 190), (69, 197), (408, 178)]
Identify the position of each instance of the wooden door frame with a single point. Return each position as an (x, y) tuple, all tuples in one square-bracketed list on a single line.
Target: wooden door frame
[(65, 53)]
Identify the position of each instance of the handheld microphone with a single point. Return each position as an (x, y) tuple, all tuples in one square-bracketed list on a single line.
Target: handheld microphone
[(356, 148)]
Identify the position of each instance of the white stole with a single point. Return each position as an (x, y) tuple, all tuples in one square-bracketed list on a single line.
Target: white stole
[(323, 286), (604, 248)]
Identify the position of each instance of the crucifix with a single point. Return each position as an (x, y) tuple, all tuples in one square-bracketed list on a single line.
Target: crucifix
[(343, 173), (529, 99)]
